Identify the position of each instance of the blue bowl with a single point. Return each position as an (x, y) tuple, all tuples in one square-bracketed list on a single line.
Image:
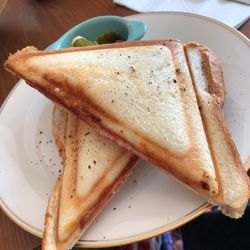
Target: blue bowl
[(129, 30)]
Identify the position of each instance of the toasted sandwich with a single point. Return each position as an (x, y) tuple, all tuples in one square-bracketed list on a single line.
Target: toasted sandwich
[(94, 169), (149, 98)]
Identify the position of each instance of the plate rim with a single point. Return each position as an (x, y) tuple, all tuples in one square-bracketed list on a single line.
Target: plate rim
[(155, 232), (210, 19)]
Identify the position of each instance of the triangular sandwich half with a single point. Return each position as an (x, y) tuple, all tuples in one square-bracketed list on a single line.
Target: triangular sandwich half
[(141, 95), (208, 82), (94, 169)]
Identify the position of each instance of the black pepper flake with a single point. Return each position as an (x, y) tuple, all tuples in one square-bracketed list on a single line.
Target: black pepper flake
[(50, 141), (41, 132), (40, 142), (87, 133), (175, 81), (120, 54), (132, 68), (148, 109), (71, 196), (50, 159), (150, 82), (104, 237), (129, 206), (177, 71), (59, 171), (89, 166), (118, 73), (114, 208), (134, 181), (94, 161), (121, 131), (70, 136), (129, 56), (112, 101)]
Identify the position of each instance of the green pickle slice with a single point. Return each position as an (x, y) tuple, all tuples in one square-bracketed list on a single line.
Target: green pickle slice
[(107, 37), (80, 41)]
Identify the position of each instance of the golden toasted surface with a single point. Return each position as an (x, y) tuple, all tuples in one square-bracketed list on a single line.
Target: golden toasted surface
[(92, 165), (51, 220), (94, 169), (138, 93), (209, 85), (146, 97), (59, 128)]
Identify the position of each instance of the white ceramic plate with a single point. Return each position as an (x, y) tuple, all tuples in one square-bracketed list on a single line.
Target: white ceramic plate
[(150, 203)]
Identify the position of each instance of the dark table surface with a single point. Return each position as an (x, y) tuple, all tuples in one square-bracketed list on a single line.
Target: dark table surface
[(39, 23)]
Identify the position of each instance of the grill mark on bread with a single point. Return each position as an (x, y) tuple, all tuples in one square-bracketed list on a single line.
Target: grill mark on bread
[(183, 91), (203, 122), (216, 90), (213, 70), (150, 157), (72, 106), (73, 129), (94, 122), (107, 194), (86, 114), (75, 101)]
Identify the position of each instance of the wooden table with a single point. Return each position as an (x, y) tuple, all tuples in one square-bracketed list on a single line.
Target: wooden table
[(39, 23)]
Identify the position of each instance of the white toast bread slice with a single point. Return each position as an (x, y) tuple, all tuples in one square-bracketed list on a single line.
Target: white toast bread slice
[(59, 128), (139, 94), (157, 119), (207, 77), (94, 169)]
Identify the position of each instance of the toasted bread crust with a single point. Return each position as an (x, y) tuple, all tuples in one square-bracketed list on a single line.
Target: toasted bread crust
[(213, 71), (212, 113), (88, 111), (107, 195), (50, 224), (59, 128), (50, 238)]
